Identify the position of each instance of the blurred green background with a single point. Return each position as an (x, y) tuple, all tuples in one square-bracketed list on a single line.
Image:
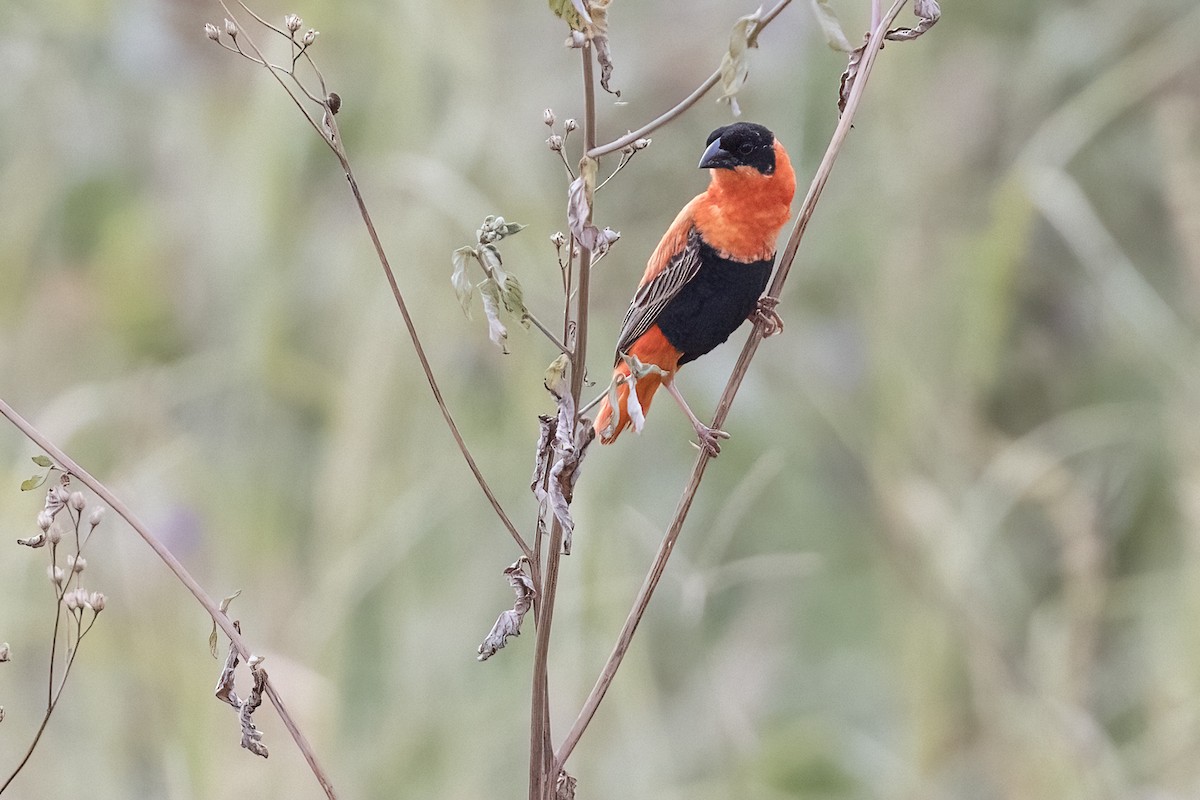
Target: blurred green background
[(952, 551)]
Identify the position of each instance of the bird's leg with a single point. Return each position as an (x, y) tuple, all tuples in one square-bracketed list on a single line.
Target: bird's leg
[(766, 317), (709, 437)]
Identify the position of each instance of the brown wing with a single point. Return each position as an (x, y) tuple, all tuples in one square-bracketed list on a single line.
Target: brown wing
[(654, 294)]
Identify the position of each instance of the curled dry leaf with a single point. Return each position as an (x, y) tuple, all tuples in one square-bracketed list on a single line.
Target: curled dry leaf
[(564, 786), (579, 211), (734, 66), (541, 462), (850, 75), (565, 473), (251, 736), (928, 13), (598, 31), (509, 622), (212, 636)]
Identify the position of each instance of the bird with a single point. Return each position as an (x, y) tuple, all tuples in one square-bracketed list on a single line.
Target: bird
[(705, 278)]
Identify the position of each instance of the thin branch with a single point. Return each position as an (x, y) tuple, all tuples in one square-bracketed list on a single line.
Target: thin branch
[(739, 372), (685, 103), (537, 323), (67, 464)]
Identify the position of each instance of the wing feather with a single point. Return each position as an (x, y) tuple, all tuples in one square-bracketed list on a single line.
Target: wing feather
[(654, 294)]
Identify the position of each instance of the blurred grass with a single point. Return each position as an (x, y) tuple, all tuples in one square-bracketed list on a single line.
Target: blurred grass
[(950, 553)]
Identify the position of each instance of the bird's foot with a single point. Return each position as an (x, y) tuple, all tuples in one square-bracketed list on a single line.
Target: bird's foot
[(766, 317), (710, 439)]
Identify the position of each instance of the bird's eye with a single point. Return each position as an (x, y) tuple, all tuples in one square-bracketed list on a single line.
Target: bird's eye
[(746, 149)]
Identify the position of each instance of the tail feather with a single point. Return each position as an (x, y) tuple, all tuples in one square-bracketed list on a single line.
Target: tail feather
[(646, 387)]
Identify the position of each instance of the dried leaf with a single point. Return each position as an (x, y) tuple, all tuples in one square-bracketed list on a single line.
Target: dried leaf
[(212, 637), (564, 786), (29, 484), (928, 13), (579, 211), (850, 75), (599, 35), (252, 736), (490, 293), (633, 406), (43, 461), (541, 462), (734, 68), (33, 541), (614, 402), (570, 446), (831, 27), (509, 622)]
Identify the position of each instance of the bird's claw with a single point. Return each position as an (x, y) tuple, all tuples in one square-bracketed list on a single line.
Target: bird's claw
[(766, 317), (710, 440)]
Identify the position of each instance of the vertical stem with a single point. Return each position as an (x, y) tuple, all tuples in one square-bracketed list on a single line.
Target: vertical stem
[(543, 768)]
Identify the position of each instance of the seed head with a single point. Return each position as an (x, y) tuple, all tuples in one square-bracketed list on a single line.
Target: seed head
[(44, 520), (570, 125), (5, 652), (559, 239), (77, 501), (310, 36), (97, 516), (97, 602), (73, 600), (231, 28), (76, 563), (211, 32), (548, 118), (555, 142), (55, 535), (56, 575), (641, 144), (292, 22)]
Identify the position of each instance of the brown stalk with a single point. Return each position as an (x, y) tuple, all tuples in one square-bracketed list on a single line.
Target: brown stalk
[(542, 771), (739, 372), (67, 464)]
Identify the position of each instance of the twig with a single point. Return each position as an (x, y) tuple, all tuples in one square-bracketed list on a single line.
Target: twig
[(333, 139), (739, 372), (684, 104), (66, 463)]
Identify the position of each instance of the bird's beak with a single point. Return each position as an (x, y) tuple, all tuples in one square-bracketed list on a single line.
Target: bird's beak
[(716, 158)]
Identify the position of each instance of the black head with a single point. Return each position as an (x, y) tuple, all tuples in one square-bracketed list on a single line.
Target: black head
[(742, 144)]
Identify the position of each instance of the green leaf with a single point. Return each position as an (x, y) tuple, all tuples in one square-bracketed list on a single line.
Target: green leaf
[(831, 27), (43, 461), (556, 375), (464, 289), (734, 68), (573, 12), (32, 483), (513, 298)]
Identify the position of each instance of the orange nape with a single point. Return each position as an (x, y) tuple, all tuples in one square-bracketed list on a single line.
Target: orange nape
[(651, 347)]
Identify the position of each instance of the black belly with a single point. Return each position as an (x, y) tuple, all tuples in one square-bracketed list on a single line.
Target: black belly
[(711, 306)]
